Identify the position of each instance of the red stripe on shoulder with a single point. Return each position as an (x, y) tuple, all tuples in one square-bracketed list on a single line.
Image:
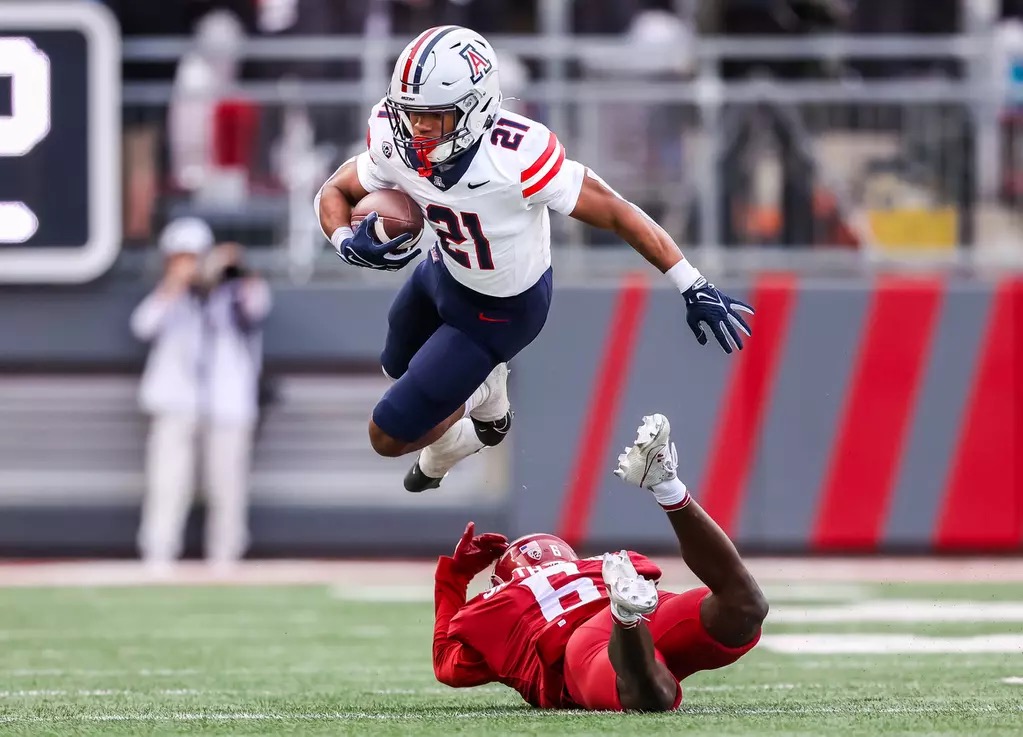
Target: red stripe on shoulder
[(532, 190), (537, 165)]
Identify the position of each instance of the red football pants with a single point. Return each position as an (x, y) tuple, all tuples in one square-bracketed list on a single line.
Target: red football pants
[(680, 642)]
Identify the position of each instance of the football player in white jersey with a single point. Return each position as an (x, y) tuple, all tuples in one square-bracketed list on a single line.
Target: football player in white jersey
[(485, 179)]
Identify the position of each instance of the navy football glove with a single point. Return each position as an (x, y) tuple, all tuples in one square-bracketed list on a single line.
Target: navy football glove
[(706, 304), (362, 249)]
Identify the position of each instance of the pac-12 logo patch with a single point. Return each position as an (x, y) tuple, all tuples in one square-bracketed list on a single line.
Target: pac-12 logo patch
[(386, 148), (479, 65), (532, 549)]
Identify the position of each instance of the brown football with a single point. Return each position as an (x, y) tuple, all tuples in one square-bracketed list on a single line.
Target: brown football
[(397, 213)]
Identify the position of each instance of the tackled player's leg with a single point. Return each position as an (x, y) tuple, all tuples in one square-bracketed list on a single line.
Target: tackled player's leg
[(611, 662), (709, 627)]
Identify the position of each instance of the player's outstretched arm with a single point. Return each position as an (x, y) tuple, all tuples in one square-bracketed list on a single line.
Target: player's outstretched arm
[(600, 206), (456, 664)]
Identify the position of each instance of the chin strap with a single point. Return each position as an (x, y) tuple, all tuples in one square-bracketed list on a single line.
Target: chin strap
[(423, 147)]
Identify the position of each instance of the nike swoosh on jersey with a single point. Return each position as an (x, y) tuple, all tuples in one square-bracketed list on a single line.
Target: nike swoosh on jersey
[(472, 185), (484, 318)]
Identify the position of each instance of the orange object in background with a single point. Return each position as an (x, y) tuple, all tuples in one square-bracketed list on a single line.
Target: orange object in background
[(763, 223)]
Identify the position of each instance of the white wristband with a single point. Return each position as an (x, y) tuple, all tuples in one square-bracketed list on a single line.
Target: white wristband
[(339, 236), (683, 274)]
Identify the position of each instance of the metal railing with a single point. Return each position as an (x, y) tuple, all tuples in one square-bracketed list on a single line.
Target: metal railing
[(932, 137)]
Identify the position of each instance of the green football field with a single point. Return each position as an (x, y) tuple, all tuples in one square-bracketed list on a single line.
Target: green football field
[(328, 660)]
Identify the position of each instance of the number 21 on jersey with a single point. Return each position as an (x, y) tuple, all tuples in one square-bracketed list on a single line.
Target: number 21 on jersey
[(452, 236)]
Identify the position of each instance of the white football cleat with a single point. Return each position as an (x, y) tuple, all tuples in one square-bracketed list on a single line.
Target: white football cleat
[(496, 406), (653, 459), (632, 596)]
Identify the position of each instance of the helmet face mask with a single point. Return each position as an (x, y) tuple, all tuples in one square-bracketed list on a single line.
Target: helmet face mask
[(443, 70), (420, 152)]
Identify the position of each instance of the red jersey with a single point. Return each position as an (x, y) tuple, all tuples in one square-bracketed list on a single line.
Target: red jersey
[(516, 632)]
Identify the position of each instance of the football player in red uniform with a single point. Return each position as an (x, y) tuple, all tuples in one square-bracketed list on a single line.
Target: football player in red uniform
[(595, 633)]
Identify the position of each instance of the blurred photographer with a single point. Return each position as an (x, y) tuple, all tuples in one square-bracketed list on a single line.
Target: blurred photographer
[(200, 386)]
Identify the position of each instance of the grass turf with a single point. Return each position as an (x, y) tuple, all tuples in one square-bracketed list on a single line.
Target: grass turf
[(301, 661)]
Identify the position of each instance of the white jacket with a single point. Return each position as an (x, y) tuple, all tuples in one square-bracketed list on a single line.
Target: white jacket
[(203, 362)]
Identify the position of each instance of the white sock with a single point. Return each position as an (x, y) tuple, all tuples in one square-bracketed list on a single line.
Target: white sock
[(494, 405), (478, 397), (625, 620), (458, 442), (671, 494)]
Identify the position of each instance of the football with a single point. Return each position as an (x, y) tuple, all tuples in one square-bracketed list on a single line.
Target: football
[(397, 213)]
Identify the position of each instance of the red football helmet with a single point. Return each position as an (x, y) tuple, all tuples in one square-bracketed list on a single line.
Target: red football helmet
[(530, 550)]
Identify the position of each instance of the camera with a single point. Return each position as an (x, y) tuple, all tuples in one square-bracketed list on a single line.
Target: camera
[(232, 271)]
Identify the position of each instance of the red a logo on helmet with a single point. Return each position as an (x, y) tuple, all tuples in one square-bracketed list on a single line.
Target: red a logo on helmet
[(479, 65)]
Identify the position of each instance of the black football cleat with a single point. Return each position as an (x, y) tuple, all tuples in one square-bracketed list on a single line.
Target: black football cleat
[(416, 481), (492, 433)]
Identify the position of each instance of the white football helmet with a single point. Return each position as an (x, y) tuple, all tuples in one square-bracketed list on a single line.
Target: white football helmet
[(444, 69)]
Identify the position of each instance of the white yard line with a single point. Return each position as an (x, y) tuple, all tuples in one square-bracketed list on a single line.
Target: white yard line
[(552, 714), (252, 635), (419, 573), (854, 710), (386, 594), (435, 690), (95, 673), (1013, 681), (339, 669), (795, 592), (123, 692), (724, 687), (215, 717), (894, 610), (858, 644)]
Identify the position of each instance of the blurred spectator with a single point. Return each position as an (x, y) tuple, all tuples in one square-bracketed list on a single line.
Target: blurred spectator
[(336, 123), (142, 126), (243, 10), (200, 107), (644, 142), (200, 384)]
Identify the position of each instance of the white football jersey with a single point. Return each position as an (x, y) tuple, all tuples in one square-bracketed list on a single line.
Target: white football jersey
[(492, 224)]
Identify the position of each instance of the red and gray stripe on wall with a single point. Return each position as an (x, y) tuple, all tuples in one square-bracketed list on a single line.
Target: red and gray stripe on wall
[(980, 503)]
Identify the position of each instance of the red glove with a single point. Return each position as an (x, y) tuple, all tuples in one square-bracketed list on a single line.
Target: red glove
[(474, 554)]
